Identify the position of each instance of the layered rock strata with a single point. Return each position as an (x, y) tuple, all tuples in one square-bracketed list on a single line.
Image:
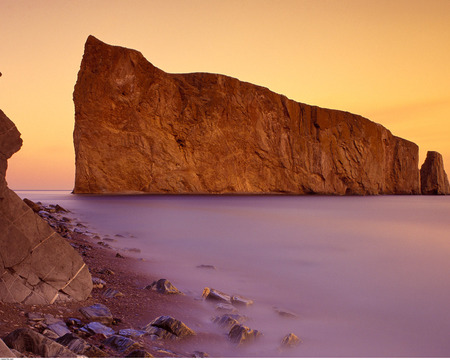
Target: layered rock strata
[(433, 179), (139, 129), (37, 266)]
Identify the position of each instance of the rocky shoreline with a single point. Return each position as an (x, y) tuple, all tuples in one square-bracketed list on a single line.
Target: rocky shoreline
[(128, 314)]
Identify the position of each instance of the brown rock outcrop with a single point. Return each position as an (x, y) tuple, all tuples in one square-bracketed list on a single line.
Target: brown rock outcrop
[(37, 266), (139, 129), (433, 179)]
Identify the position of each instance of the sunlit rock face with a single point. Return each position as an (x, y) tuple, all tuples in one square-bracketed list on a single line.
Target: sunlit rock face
[(433, 179), (139, 129), (37, 266)]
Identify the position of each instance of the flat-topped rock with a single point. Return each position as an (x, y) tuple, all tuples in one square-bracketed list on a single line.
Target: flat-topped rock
[(97, 312), (140, 129)]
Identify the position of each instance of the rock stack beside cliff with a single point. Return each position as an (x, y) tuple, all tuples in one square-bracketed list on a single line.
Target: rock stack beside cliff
[(139, 129), (433, 179), (37, 266)]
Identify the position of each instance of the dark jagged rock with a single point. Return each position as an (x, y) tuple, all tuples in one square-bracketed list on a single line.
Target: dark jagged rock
[(35, 207), (140, 129), (37, 266), (27, 340), (228, 320), (173, 326), (433, 179), (121, 343), (81, 347), (240, 334)]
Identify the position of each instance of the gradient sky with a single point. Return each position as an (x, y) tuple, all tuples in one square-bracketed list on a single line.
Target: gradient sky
[(387, 60)]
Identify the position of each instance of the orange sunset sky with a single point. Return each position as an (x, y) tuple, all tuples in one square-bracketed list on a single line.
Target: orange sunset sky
[(387, 60)]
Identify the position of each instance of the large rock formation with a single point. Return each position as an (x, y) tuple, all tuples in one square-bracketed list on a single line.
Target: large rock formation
[(433, 179), (139, 129), (37, 266)]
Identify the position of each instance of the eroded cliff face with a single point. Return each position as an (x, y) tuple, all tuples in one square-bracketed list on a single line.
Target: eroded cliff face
[(433, 178), (37, 266), (139, 129)]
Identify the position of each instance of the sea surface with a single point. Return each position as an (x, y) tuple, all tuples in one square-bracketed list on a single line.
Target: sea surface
[(367, 276)]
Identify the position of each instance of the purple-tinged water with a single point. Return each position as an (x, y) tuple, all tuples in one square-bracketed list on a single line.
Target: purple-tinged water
[(368, 276)]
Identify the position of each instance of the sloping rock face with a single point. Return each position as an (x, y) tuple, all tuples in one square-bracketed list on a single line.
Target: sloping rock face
[(139, 129), (433, 179), (37, 266)]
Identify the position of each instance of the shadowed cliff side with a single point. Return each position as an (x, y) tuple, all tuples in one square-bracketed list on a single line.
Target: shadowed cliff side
[(139, 129), (37, 266)]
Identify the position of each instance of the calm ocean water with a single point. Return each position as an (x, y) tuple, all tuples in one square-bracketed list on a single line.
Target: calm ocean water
[(368, 276)]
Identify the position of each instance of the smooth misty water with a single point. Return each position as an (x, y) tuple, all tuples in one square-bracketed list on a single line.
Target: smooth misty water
[(368, 276)]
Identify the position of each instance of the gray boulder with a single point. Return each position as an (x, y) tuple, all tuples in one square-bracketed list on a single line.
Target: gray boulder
[(98, 328), (98, 312)]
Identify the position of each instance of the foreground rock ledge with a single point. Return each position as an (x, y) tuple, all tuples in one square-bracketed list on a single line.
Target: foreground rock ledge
[(37, 266), (139, 129)]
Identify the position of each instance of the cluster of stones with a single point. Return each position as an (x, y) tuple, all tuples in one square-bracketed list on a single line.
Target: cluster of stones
[(50, 336), (238, 333)]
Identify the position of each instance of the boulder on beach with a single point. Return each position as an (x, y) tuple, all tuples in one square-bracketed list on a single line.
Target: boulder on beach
[(241, 300), (163, 286), (132, 333), (241, 334), (226, 308), (121, 343), (37, 266), (27, 340), (228, 320), (98, 312), (290, 340), (79, 346), (98, 328), (173, 326), (215, 295)]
